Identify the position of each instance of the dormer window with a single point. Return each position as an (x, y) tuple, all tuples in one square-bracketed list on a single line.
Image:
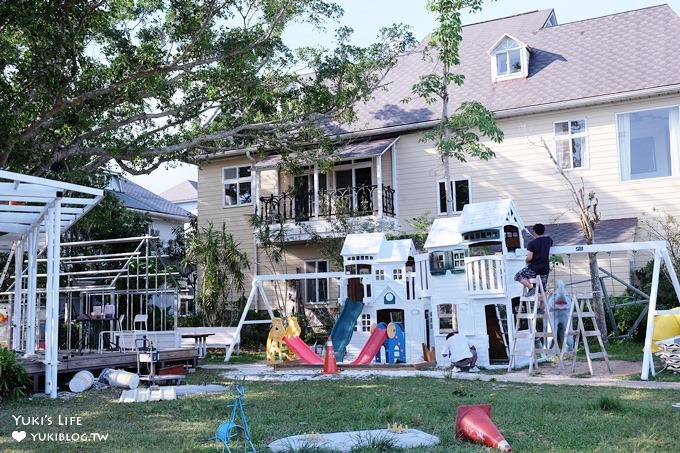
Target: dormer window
[(509, 59)]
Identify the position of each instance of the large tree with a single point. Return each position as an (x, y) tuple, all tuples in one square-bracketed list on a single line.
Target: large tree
[(148, 81), (459, 134)]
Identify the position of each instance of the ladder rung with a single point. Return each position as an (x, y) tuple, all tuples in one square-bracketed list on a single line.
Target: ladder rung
[(591, 333)]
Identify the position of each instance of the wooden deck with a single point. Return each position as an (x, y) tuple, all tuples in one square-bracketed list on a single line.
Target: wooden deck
[(70, 364)]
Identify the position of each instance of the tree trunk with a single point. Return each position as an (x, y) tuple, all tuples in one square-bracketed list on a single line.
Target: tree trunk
[(598, 302)]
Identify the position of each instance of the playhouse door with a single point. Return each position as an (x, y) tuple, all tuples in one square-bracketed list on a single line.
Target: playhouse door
[(497, 335)]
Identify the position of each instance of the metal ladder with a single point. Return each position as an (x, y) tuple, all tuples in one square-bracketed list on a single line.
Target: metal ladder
[(581, 311), (528, 311)]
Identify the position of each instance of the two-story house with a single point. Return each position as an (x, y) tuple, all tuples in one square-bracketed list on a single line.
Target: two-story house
[(603, 95)]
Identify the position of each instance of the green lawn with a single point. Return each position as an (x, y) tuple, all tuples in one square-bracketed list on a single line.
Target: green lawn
[(532, 418)]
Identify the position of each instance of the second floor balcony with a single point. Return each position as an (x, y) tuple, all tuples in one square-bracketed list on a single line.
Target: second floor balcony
[(327, 204)]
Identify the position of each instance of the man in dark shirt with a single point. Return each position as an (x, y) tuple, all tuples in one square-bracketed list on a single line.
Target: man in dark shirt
[(538, 260)]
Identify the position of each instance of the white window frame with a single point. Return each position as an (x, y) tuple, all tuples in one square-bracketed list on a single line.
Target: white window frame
[(448, 322), (237, 181), (397, 274), (312, 267), (569, 137), (379, 274), (495, 52), (623, 142), (366, 322), (442, 183)]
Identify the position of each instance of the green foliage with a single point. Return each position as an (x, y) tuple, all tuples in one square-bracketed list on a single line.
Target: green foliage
[(221, 278), (666, 297), (457, 135), (420, 229), (144, 82), (14, 381), (609, 404), (254, 336), (109, 220)]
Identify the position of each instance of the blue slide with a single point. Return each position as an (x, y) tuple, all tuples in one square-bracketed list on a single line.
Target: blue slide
[(344, 327)]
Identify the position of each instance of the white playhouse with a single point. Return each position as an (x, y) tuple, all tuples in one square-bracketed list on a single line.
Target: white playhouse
[(464, 283)]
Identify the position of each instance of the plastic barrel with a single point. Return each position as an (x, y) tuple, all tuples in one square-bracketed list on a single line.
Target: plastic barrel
[(119, 378), (81, 381)]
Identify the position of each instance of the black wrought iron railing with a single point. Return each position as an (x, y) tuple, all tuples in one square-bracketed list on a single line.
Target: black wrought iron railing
[(347, 201)]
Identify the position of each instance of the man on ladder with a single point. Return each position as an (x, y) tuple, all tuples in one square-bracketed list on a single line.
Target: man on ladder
[(538, 261)]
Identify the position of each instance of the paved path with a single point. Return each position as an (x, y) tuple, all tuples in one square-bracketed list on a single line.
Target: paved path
[(624, 374)]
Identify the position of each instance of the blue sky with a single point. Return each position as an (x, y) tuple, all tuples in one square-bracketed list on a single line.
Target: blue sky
[(366, 17)]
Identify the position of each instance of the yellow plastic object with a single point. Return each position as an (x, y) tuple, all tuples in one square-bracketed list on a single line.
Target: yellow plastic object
[(293, 328), (275, 344), (665, 326)]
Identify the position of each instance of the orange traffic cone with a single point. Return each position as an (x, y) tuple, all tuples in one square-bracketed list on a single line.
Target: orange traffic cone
[(330, 366), (474, 423)]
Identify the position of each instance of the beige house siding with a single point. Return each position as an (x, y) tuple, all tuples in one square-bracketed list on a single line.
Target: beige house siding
[(211, 208), (523, 171)]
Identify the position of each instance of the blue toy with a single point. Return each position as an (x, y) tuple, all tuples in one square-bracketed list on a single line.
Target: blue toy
[(230, 431)]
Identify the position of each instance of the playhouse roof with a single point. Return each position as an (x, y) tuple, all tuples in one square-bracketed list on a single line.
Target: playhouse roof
[(362, 244), (396, 251), (490, 214), (445, 232)]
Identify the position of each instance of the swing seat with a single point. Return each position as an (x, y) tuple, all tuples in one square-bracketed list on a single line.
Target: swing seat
[(669, 353)]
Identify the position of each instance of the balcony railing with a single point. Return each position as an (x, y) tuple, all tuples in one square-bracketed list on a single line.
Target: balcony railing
[(347, 201), (485, 276)]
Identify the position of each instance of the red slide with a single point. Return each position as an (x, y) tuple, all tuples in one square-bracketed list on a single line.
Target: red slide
[(371, 348), (303, 351)]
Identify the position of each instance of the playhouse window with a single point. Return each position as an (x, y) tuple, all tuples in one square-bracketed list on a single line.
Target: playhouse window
[(448, 318), (366, 323), (397, 274), (442, 261), (380, 274)]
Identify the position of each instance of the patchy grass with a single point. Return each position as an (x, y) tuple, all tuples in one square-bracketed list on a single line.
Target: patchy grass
[(533, 418)]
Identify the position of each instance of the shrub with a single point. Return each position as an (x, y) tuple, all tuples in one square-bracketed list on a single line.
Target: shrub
[(14, 381)]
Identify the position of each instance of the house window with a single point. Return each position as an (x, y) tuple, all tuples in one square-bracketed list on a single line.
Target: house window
[(380, 274), (460, 190), (448, 318), (508, 58), (570, 143), (237, 185), (316, 289), (648, 143), (398, 274), (366, 323)]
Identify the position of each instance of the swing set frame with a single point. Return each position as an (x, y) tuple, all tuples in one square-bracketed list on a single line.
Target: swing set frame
[(660, 255)]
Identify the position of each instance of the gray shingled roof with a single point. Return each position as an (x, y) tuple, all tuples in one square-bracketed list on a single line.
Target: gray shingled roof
[(134, 196), (577, 61), (606, 232)]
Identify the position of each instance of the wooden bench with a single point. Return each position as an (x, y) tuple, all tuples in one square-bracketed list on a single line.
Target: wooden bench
[(222, 337)]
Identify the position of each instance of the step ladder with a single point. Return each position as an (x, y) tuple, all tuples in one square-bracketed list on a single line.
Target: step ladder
[(503, 326), (582, 313), (528, 314)]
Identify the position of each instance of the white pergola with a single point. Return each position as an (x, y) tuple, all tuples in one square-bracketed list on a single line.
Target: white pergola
[(33, 213)]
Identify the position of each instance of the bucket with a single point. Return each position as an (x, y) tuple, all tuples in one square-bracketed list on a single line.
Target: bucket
[(81, 381), (119, 378)]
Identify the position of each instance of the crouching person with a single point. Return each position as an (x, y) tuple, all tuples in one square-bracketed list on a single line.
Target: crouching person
[(462, 353)]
